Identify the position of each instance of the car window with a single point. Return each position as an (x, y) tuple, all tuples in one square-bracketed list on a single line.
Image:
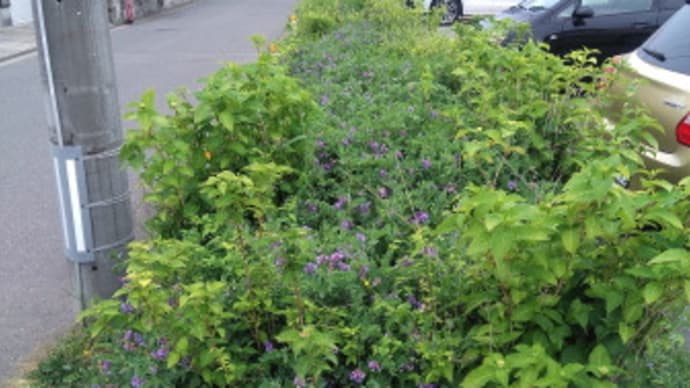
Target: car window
[(671, 4), (615, 7), (669, 47), (537, 5), (567, 11)]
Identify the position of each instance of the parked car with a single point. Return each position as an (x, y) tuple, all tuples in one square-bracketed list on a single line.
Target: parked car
[(610, 26), (660, 69)]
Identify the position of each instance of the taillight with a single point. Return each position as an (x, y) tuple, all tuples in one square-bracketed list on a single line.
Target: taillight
[(683, 131)]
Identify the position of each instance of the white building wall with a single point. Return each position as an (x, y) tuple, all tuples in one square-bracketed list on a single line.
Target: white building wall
[(20, 11)]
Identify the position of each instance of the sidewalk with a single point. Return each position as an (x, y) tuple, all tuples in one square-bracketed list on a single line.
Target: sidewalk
[(16, 41)]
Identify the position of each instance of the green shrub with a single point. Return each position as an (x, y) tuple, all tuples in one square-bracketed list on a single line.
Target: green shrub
[(444, 213)]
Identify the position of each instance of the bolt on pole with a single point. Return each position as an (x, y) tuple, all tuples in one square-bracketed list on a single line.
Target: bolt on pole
[(78, 72)]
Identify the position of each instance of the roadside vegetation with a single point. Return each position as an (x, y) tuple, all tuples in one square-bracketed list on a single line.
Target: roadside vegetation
[(374, 203)]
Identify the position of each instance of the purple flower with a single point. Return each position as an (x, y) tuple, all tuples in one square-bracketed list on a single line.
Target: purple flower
[(310, 268), (364, 208), (320, 144), (346, 225), (451, 188), (374, 366), (104, 366), (361, 237), (358, 376), (384, 192), (430, 251), (399, 154), (126, 308), (407, 367), (324, 100), (137, 382), (160, 354), (279, 262), (268, 346), (96, 386), (427, 386), (512, 185), (340, 203), (414, 302), (383, 173), (406, 262), (343, 266), (312, 207), (299, 382), (434, 114), (321, 259), (172, 302), (186, 362), (138, 339), (420, 218), (426, 164)]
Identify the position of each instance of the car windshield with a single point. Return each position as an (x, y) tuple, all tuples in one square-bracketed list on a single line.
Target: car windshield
[(537, 5), (669, 47)]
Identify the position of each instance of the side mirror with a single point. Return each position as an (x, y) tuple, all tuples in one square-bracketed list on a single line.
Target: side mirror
[(583, 12)]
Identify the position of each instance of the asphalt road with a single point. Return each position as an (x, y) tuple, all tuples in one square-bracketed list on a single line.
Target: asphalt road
[(163, 52)]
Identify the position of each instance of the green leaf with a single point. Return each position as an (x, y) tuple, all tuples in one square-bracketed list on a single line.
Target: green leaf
[(571, 240), (492, 221), (686, 286), (652, 292), (478, 377), (671, 256), (600, 356), (182, 345), (227, 120), (626, 332), (173, 359)]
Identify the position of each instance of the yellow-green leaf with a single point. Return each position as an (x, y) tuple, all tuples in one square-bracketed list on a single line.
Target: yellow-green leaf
[(652, 292)]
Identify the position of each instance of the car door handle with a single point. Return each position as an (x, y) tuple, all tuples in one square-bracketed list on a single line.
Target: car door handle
[(641, 25)]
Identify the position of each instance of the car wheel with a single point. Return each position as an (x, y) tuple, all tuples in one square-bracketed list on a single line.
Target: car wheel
[(453, 11)]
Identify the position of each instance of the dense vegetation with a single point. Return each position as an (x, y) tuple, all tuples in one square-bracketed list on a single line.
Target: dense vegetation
[(377, 203)]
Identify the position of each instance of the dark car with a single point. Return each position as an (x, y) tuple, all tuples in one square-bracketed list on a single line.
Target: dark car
[(610, 26)]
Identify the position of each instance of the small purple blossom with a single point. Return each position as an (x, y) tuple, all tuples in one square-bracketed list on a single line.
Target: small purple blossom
[(279, 262), (299, 382), (374, 366), (407, 367), (126, 308), (138, 339), (512, 185), (346, 225), (358, 376), (104, 366), (383, 173), (321, 259), (361, 237), (312, 207), (137, 382), (340, 203), (451, 188), (160, 354), (414, 302), (406, 262), (426, 164), (268, 346), (420, 218), (399, 154), (430, 251), (324, 100), (384, 192), (364, 208), (343, 266), (320, 144), (310, 268), (434, 114)]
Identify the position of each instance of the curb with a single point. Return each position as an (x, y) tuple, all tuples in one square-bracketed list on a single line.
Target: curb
[(18, 54)]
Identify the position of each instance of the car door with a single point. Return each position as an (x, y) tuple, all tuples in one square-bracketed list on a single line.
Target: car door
[(614, 27)]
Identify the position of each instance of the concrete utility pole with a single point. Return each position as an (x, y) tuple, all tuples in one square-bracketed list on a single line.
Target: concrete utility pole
[(84, 118)]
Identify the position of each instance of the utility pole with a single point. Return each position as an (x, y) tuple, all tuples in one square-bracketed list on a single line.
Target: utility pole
[(78, 72)]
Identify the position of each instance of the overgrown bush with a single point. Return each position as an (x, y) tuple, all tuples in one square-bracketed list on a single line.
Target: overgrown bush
[(397, 208)]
